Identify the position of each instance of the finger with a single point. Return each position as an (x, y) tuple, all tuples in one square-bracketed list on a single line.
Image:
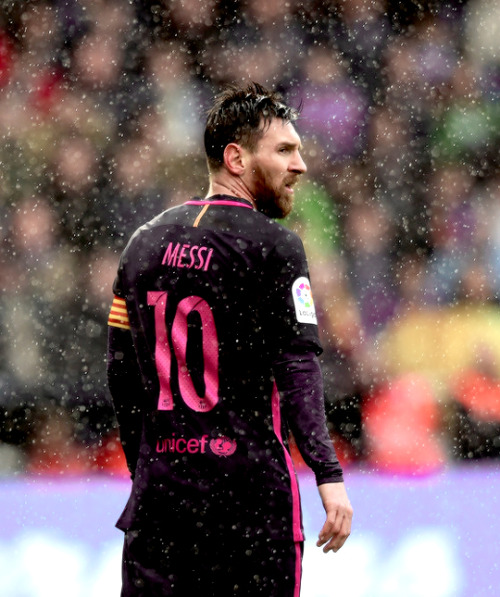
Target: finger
[(335, 544), (335, 538), (339, 539), (326, 533)]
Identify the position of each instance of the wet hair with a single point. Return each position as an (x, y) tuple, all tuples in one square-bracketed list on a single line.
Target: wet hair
[(241, 115)]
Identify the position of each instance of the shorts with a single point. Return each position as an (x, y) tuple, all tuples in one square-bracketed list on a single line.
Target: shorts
[(212, 566)]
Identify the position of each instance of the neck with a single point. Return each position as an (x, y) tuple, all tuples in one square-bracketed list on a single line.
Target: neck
[(224, 185)]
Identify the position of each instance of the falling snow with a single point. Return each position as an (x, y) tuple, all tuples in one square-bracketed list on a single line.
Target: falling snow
[(101, 126)]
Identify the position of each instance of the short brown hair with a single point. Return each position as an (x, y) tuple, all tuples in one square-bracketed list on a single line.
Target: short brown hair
[(240, 115)]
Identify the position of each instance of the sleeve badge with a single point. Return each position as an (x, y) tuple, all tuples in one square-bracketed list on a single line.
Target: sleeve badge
[(303, 301)]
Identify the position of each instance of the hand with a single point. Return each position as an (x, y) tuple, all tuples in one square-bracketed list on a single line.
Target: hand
[(338, 510)]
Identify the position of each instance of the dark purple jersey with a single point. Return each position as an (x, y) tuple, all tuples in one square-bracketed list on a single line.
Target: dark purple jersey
[(212, 361)]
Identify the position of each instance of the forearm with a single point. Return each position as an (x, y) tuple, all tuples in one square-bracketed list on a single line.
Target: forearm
[(300, 384)]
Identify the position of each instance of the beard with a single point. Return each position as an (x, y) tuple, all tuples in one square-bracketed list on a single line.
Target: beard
[(273, 202)]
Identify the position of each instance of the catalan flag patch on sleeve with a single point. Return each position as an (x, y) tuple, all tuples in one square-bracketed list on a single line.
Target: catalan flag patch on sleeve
[(118, 316)]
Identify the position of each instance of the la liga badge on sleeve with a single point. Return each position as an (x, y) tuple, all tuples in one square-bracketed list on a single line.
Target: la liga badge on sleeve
[(303, 301)]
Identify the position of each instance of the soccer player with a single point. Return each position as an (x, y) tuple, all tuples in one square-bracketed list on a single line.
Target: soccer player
[(212, 363)]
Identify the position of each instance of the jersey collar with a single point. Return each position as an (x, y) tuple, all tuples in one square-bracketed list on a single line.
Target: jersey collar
[(221, 200)]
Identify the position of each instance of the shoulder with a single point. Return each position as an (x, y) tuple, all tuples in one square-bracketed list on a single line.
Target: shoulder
[(285, 240), (163, 218), (280, 248), (278, 233)]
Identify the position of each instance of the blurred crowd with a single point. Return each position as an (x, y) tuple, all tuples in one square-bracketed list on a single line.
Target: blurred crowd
[(101, 121)]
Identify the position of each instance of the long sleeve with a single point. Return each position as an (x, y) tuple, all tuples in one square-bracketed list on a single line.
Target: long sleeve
[(300, 384), (125, 385)]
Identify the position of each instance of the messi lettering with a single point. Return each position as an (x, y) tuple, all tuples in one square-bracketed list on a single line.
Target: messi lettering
[(188, 256)]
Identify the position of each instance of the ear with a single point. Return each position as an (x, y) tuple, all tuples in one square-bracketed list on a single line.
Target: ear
[(234, 159)]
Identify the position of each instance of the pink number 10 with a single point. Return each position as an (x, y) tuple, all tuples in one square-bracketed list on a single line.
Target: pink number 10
[(164, 352)]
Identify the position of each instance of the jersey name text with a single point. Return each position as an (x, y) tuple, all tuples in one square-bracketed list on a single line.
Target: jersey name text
[(189, 256)]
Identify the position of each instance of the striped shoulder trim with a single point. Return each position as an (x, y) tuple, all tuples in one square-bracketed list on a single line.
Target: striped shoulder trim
[(118, 316)]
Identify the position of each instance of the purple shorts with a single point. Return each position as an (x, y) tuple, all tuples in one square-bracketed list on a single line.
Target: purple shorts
[(209, 565)]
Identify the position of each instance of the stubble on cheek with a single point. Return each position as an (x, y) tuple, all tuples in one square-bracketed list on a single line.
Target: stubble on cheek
[(274, 203)]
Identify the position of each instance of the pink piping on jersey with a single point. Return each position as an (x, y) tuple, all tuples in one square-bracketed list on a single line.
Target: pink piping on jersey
[(298, 570), (276, 412), (231, 203)]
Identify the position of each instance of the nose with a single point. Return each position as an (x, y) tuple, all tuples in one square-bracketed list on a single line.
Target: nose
[(298, 165)]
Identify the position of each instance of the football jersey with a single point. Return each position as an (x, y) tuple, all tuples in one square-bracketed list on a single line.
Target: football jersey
[(214, 294)]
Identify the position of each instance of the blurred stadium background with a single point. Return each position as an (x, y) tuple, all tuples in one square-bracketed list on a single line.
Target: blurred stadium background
[(101, 106)]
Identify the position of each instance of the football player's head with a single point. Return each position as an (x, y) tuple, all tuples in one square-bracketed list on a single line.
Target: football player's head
[(250, 136), (241, 115)]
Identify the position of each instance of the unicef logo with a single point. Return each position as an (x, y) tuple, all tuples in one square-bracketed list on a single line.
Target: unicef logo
[(223, 446), (304, 295)]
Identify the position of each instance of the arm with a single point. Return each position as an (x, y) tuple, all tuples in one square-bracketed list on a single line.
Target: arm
[(125, 385), (300, 383)]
